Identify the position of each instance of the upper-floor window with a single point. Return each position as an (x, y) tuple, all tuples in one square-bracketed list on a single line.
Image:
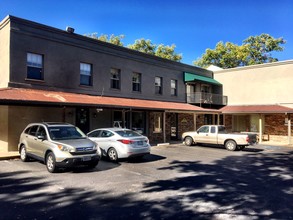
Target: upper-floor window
[(35, 66), (85, 74), (115, 78), (158, 85), (173, 87), (136, 82)]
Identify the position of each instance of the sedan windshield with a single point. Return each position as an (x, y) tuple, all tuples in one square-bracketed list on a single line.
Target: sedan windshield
[(65, 133), (128, 133)]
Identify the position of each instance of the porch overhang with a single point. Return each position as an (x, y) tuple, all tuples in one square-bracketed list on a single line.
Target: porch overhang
[(256, 109), (190, 77), (44, 97)]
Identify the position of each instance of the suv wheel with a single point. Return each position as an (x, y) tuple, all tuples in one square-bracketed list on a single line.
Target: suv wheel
[(51, 162), (23, 155)]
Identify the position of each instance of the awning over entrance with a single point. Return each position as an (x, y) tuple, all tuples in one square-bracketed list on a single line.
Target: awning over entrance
[(250, 109), (189, 77), (30, 96)]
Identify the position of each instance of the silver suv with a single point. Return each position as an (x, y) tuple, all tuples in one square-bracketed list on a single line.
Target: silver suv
[(58, 145)]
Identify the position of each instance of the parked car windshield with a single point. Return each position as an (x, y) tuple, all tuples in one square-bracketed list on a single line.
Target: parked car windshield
[(65, 132), (128, 133)]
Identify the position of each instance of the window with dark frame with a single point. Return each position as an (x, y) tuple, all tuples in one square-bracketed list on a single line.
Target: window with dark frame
[(35, 66), (173, 87), (158, 85), (85, 74), (158, 122), (115, 78), (136, 82)]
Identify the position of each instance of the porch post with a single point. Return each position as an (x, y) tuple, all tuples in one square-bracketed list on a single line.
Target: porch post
[(260, 128), (164, 127), (194, 121), (289, 129)]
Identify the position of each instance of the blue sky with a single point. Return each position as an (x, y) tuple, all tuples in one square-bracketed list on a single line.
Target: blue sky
[(192, 25)]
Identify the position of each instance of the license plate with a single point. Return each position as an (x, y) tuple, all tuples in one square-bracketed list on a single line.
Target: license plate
[(86, 158), (139, 143)]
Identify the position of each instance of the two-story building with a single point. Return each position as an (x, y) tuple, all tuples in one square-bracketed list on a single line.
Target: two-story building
[(260, 100), (48, 74)]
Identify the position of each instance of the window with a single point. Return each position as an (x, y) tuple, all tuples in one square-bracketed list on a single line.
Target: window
[(158, 85), (85, 74), (158, 122), (34, 66), (173, 87), (136, 82), (203, 129), (41, 132), (33, 130), (115, 78)]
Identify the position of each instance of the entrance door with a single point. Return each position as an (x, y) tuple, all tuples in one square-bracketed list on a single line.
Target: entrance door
[(174, 126), (82, 119)]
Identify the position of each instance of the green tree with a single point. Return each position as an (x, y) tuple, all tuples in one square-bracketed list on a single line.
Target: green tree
[(146, 46), (168, 52), (260, 48), (142, 45), (254, 50), (117, 40)]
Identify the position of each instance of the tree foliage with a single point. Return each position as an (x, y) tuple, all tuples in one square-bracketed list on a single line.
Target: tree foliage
[(146, 46), (141, 45), (117, 40), (254, 50)]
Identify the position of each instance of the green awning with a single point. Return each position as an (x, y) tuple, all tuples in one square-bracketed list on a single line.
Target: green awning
[(189, 77)]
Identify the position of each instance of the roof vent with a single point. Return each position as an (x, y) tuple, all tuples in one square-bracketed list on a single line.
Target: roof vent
[(70, 29)]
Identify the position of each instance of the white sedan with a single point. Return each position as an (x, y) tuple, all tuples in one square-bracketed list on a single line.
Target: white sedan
[(117, 143)]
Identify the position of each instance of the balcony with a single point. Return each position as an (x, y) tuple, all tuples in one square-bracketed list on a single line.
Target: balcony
[(206, 98)]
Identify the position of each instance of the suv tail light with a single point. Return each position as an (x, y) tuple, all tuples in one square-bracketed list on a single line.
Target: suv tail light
[(126, 141)]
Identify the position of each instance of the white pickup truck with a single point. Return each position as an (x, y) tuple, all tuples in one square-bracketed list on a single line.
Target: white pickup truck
[(217, 135)]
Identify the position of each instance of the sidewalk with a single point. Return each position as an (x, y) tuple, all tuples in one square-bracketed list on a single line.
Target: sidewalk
[(9, 155)]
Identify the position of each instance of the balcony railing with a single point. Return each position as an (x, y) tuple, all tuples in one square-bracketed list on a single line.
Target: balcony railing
[(206, 98)]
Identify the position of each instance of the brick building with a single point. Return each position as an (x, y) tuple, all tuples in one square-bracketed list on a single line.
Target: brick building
[(48, 74), (260, 99)]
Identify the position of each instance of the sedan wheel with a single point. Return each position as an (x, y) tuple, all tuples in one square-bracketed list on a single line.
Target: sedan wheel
[(188, 141), (231, 145), (23, 155), (51, 162), (112, 154)]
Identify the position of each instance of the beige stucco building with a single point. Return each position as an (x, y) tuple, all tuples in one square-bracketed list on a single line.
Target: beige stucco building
[(259, 99)]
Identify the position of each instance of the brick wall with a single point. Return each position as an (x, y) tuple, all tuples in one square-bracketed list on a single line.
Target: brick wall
[(275, 124), (228, 122), (185, 123)]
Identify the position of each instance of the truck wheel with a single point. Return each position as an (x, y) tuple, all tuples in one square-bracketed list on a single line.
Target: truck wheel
[(188, 141), (231, 145)]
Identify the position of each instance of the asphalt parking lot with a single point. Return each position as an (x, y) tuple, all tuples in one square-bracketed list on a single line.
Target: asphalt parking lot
[(174, 182)]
